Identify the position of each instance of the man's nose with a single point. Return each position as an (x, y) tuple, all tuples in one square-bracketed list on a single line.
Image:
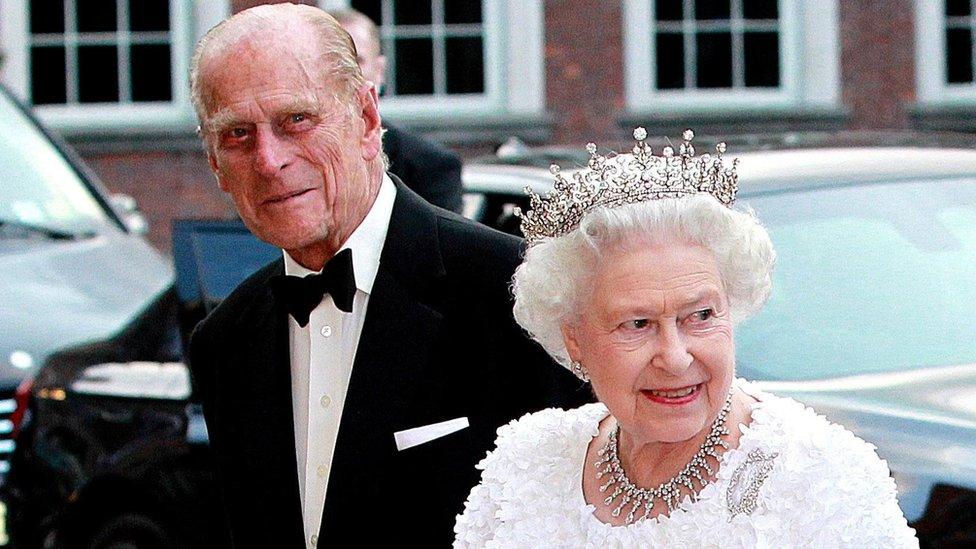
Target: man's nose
[(672, 353), (272, 153)]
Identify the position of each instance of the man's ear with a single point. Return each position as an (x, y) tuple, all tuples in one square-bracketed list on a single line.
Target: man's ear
[(212, 160), (372, 141)]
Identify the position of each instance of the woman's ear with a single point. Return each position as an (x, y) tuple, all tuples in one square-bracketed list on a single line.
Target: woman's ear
[(569, 338)]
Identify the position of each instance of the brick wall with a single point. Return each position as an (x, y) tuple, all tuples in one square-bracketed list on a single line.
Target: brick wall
[(240, 5), (584, 69), (167, 186), (878, 62)]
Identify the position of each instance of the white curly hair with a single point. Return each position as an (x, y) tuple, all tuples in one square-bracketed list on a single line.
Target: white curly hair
[(556, 273)]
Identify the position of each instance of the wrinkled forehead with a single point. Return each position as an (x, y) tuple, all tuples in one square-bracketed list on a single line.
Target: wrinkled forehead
[(668, 274), (259, 62)]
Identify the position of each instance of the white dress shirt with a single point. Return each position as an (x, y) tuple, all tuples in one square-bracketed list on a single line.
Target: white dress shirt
[(322, 355)]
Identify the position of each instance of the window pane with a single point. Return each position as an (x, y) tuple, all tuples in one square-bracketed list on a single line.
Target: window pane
[(98, 74), (957, 7), (149, 15), (151, 73), (668, 10), (959, 55), (47, 76), (712, 9), (413, 12), (670, 60), (760, 9), (462, 11), (96, 15), (369, 8), (465, 65), (761, 57), (714, 60), (414, 66), (47, 16)]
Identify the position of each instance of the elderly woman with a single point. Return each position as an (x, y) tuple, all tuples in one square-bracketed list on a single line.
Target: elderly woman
[(637, 272)]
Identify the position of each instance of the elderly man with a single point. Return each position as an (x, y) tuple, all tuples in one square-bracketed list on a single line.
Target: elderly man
[(353, 404), (427, 168)]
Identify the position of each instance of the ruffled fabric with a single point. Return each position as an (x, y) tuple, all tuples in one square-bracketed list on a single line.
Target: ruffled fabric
[(826, 488)]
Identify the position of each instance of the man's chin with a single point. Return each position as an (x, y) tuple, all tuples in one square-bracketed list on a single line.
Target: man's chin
[(294, 241)]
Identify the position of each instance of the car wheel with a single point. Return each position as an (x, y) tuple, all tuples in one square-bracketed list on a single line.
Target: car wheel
[(132, 531)]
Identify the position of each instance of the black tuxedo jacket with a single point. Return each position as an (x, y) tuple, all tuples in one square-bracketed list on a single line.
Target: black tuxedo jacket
[(427, 168), (438, 343)]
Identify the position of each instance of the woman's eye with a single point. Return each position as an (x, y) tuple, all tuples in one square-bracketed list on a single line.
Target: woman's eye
[(703, 315)]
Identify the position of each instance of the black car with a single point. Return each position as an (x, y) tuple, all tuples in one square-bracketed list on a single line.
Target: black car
[(79, 286)]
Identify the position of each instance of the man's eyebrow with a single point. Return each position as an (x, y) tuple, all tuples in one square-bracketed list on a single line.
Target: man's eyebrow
[(223, 119), (300, 105)]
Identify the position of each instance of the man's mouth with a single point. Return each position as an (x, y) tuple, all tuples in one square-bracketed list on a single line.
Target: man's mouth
[(286, 196), (674, 396)]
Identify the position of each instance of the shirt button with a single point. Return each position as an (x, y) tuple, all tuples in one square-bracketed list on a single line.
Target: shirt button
[(325, 401), (314, 540), (326, 331), (322, 470)]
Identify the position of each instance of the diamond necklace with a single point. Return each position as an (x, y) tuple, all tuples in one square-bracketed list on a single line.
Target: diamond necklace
[(609, 464)]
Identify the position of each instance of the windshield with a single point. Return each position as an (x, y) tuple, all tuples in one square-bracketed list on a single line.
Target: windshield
[(877, 278), (37, 185)]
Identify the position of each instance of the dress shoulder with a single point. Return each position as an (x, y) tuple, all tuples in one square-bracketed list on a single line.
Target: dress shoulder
[(843, 486)]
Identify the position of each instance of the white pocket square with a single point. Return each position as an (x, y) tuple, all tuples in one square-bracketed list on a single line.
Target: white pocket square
[(426, 433)]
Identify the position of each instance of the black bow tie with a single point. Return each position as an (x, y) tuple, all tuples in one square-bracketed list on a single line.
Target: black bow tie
[(299, 295)]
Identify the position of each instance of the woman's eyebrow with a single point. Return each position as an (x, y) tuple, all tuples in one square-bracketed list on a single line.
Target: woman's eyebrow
[(697, 297)]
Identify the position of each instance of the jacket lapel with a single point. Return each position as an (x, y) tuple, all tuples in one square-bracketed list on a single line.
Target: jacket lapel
[(402, 324), (260, 414)]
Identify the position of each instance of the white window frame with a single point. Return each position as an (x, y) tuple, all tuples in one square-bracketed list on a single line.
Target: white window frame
[(514, 33), (809, 61), (930, 59), (189, 20)]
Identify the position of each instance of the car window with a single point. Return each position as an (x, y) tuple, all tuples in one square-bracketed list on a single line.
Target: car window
[(497, 210), (874, 278), (38, 186)]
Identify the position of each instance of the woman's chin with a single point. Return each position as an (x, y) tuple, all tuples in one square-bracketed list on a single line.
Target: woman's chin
[(674, 423)]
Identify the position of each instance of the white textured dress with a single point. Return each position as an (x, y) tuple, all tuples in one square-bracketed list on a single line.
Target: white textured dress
[(817, 486)]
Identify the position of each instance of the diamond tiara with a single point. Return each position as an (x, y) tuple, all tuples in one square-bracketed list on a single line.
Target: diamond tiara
[(616, 179)]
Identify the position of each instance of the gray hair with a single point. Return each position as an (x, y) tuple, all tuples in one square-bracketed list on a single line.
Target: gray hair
[(556, 273), (337, 48)]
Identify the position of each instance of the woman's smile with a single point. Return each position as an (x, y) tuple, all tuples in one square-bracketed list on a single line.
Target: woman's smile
[(673, 397)]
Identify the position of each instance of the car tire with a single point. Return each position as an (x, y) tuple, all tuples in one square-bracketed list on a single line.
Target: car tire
[(132, 531)]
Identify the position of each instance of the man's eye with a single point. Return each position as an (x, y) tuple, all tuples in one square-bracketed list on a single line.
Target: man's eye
[(297, 118), (637, 324), (237, 133)]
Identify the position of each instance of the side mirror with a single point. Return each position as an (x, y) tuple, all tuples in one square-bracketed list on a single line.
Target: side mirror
[(128, 210)]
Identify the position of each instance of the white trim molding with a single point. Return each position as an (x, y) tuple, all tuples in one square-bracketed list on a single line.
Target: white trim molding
[(514, 69), (809, 64), (933, 88), (189, 19)]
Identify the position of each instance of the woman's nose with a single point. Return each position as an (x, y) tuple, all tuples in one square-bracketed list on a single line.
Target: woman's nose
[(672, 353)]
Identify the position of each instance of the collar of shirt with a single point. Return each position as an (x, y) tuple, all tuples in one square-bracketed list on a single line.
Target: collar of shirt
[(366, 242)]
